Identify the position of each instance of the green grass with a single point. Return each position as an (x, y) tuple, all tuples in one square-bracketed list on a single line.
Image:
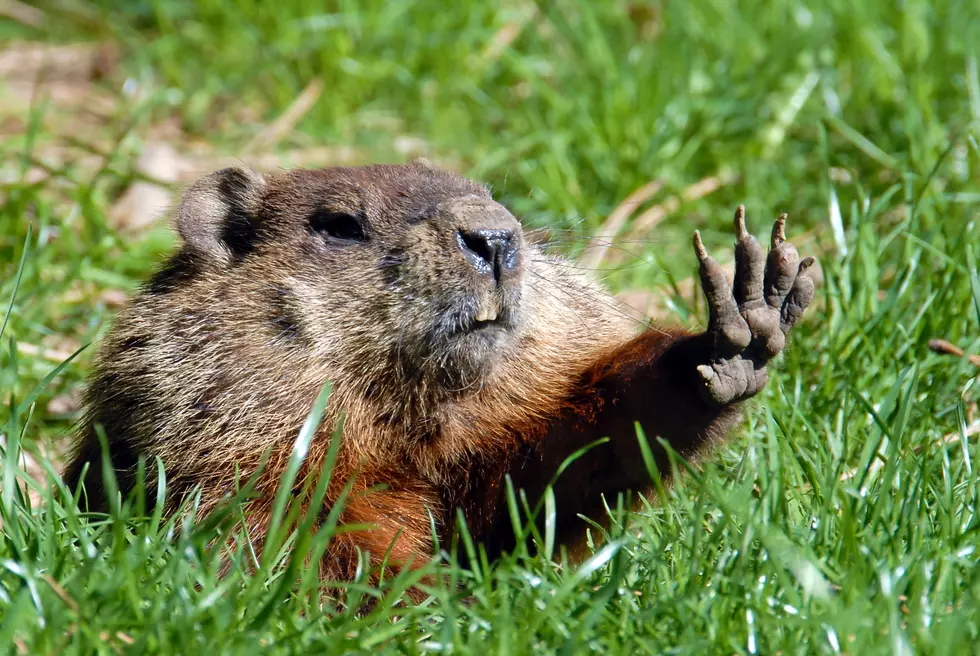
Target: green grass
[(839, 518)]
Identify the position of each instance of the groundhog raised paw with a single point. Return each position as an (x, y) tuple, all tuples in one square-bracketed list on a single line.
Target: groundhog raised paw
[(749, 319)]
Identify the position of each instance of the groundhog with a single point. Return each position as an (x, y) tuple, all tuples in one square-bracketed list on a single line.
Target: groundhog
[(458, 354)]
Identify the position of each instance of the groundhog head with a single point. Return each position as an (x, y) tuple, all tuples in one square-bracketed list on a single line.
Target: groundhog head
[(374, 266)]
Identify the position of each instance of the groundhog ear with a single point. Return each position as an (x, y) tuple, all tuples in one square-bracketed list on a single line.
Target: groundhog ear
[(217, 218)]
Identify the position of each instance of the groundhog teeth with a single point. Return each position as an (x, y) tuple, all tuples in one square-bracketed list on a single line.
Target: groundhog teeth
[(487, 310), (485, 314)]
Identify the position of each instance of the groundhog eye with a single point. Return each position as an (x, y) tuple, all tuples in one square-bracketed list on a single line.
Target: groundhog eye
[(338, 225)]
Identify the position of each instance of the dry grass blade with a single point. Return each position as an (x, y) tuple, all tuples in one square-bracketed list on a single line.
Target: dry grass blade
[(23, 13), (596, 250), (279, 128), (60, 591), (25, 60), (948, 348), (651, 217)]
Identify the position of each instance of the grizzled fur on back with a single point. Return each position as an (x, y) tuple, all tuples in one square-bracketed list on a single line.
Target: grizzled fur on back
[(357, 276)]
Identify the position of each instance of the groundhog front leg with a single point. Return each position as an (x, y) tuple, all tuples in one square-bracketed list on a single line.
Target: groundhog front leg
[(683, 388)]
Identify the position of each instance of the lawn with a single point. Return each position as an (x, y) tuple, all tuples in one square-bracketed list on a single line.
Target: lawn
[(841, 517)]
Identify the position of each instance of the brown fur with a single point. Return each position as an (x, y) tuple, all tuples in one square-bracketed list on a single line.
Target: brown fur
[(224, 351)]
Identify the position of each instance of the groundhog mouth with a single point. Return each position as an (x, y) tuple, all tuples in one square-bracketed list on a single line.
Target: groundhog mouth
[(489, 313), (479, 319)]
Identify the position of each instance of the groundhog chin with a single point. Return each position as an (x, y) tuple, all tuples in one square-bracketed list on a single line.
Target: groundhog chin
[(468, 360), (470, 340)]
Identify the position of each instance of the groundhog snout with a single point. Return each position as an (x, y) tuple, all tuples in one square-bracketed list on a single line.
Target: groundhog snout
[(493, 253), (489, 239)]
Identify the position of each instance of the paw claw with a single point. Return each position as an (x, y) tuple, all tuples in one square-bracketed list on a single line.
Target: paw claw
[(779, 230), (740, 230), (699, 248)]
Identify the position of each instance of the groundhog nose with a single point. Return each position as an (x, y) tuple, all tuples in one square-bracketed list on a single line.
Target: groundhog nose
[(493, 252)]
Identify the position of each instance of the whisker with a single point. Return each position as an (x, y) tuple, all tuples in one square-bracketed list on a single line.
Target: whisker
[(572, 221), (613, 247), (579, 267), (608, 242), (563, 304), (601, 299)]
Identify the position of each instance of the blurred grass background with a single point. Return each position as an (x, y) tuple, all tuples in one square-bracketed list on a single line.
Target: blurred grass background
[(840, 519)]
